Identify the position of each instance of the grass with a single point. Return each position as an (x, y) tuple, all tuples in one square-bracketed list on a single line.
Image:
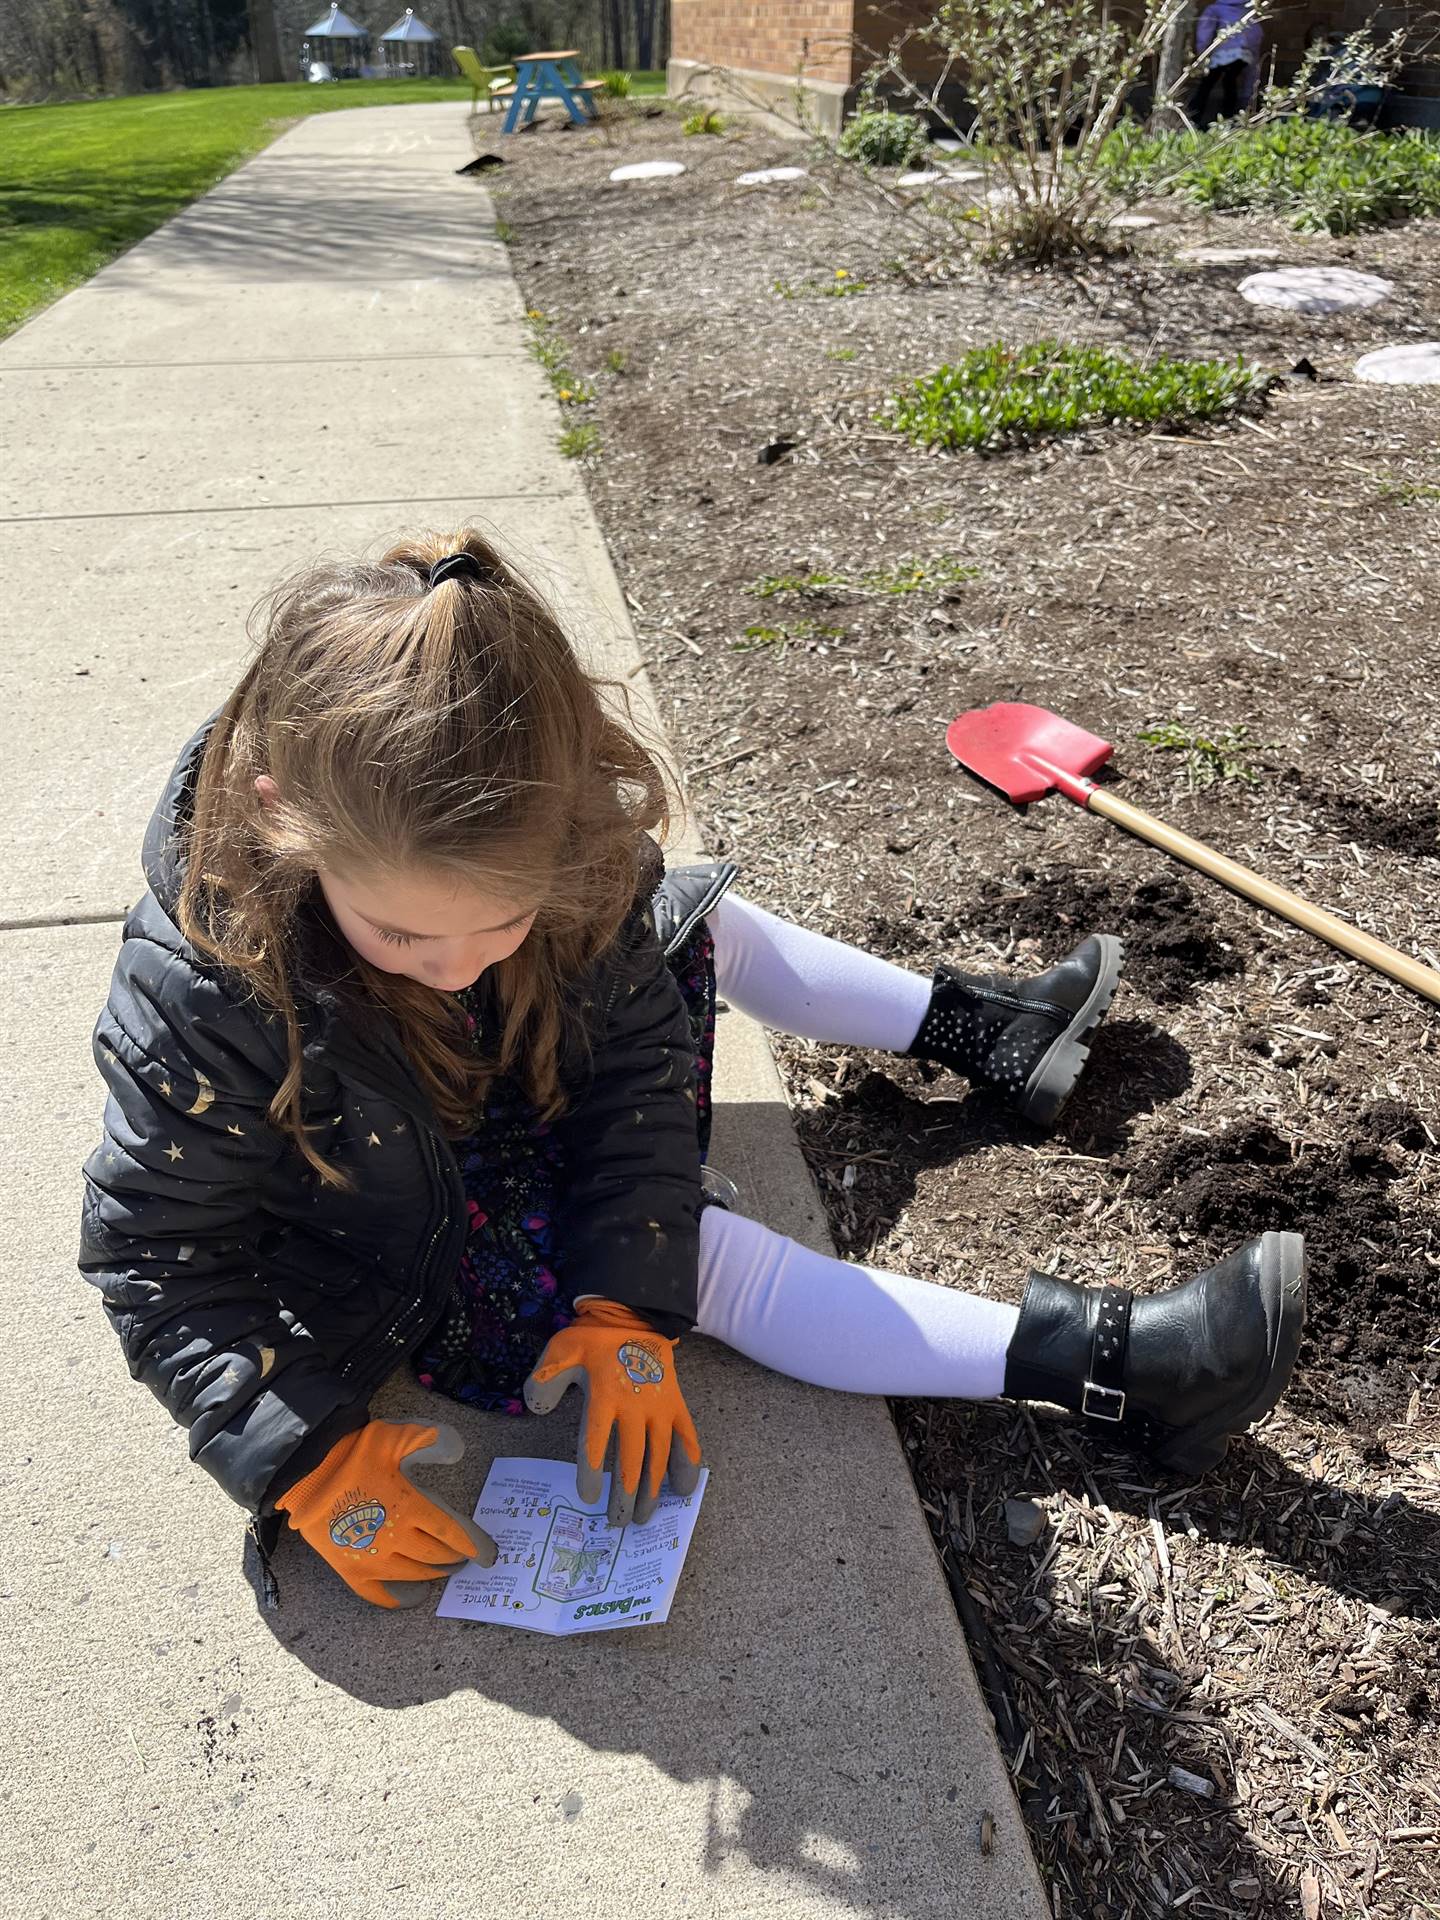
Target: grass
[(703, 120), (1001, 396), (80, 184), (1206, 760), (906, 576), (1322, 176)]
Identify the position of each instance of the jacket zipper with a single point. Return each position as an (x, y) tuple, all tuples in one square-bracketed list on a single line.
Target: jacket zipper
[(393, 1335)]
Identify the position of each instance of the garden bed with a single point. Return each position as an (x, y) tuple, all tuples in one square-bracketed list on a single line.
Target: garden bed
[(1268, 1632)]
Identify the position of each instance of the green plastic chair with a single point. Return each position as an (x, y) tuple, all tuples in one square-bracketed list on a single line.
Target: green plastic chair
[(482, 79)]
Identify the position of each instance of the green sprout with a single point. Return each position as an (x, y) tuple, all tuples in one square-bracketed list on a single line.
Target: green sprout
[(1206, 760)]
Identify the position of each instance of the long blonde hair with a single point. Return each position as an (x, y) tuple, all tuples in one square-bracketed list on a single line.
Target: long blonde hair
[(447, 729)]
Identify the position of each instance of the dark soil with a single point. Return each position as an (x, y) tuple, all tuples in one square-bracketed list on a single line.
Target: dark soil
[(1271, 1629), (1373, 1265), (1170, 945)]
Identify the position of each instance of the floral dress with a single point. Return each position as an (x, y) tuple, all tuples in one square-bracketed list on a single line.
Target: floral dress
[(510, 1293)]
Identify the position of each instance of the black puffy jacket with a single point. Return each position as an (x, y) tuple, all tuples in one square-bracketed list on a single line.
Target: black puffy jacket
[(264, 1309)]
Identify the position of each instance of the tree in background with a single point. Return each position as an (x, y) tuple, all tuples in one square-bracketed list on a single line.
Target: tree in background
[(67, 49), (64, 48)]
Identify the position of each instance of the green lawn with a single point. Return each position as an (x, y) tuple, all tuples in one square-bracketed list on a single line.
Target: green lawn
[(79, 184)]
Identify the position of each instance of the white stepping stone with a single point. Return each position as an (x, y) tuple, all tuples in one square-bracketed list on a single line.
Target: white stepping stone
[(1134, 222), (964, 177), (949, 146), (1315, 289), (920, 179), (767, 176), (649, 170), (1227, 256), (1416, 365)]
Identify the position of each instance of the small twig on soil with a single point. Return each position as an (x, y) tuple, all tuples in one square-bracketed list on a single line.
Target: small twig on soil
[(714, 766)]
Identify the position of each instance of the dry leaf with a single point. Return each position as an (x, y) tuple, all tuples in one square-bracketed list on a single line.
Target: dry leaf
[(1309, 1895)]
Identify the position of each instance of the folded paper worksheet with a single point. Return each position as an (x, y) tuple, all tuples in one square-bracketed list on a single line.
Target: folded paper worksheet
[(560, 1567)]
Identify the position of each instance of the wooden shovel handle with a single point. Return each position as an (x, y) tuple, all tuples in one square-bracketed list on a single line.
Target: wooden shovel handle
[(1375, 953)]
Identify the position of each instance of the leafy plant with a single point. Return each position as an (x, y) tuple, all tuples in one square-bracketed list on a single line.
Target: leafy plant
[(759, 636), (840, 353), (576, 443), (881, 138), (504, 232), (840, 286), (1047, 81), (615, 360), (1321, 175), (1052, 85), (549, 351), (616, 85), (1206, 760), (703, 120), (1410, 493), (770, 584), (999, 396)]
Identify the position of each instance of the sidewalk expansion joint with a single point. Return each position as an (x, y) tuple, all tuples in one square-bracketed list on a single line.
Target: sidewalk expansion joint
[(259, 360), (101, 917), (277, 506)]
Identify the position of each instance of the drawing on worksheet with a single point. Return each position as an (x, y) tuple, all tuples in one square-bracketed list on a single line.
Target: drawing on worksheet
[(560, 1567), (578, 1556)]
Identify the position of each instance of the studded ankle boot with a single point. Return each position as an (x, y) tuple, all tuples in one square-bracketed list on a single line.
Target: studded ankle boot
[(1175, 1374), (1027, 1039)]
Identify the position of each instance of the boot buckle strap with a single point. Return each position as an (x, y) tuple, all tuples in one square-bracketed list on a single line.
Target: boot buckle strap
[(1103, 1397), (1091, 1398)]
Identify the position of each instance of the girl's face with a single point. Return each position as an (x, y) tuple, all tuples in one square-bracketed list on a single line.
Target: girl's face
[(427, 927), (431, 930)]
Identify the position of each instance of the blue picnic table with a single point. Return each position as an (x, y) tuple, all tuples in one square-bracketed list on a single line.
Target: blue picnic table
[(548, 76)]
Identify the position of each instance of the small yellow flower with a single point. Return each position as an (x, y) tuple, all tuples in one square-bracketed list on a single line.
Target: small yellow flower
[(534, 313), (564, 393), (842, 273)]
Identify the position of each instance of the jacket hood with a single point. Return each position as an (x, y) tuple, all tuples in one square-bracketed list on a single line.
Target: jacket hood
[(164, 852), (321, 959)]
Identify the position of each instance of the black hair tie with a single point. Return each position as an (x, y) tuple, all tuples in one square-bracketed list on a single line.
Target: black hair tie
[(456, 566)]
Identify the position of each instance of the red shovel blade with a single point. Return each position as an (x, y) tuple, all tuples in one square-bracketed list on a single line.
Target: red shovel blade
[(1027, 752)]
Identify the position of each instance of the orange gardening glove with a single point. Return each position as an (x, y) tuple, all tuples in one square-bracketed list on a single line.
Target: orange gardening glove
[(626, 1372), (361, 1512)]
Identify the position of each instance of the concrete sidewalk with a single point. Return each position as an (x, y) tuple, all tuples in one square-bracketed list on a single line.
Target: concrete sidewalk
[(325, 351)]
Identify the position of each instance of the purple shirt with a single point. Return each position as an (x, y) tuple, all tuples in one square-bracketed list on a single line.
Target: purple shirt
[(1218, 29)]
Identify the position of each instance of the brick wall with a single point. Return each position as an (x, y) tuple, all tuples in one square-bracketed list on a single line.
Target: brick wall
[(766, 36)]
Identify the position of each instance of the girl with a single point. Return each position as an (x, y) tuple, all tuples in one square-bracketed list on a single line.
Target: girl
[(408, 1054)]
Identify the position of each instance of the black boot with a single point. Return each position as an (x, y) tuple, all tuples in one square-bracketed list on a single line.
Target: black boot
[(1025, 1038), (1176, 1373)]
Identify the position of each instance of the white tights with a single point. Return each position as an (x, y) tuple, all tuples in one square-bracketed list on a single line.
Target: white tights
[(803, 1313)]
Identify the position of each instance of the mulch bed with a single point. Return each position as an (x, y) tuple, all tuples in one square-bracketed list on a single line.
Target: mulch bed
[(1221, 1698)]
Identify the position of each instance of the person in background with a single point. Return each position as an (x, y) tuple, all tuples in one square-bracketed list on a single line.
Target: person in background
[(1232, 38)]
